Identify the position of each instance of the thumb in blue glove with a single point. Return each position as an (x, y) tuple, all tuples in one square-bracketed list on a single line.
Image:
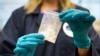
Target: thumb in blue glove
[(80, 23), (27, 44)]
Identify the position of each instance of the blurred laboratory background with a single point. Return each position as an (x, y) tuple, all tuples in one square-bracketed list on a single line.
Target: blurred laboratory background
[(8, 6)]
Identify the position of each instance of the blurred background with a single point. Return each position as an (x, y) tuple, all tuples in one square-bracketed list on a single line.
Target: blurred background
[(8, 6)]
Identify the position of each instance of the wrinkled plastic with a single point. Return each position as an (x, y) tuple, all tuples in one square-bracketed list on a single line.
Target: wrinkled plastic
[(50, 26)]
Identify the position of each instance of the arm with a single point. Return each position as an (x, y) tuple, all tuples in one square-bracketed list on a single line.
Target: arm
[(10, 34), (80, 23), (94, 50)]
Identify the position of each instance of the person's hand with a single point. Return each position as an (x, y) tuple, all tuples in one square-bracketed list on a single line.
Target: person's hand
[(26, 45), (80, 23)]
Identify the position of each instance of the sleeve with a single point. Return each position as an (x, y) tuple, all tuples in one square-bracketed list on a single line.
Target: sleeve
[(10, 34), (95, 38)]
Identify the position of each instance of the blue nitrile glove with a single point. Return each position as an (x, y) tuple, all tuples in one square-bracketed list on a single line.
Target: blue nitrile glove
[(80, 23), (27, 44)]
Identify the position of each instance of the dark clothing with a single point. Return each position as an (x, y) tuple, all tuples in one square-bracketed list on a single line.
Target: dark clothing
[(20, 24)]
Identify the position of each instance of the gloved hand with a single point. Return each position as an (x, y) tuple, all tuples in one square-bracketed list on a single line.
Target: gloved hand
[(26, 45), (80, 23)]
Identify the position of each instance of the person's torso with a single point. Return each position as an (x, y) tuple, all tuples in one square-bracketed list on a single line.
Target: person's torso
[(64, 45)]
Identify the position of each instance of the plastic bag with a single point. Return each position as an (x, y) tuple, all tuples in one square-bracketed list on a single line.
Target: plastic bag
[(50, 26)]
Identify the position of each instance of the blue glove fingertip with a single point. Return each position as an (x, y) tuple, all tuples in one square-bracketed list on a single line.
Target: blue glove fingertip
[(80, 15), (62, 14), (40, 36), (18, 50), (90, 18)]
